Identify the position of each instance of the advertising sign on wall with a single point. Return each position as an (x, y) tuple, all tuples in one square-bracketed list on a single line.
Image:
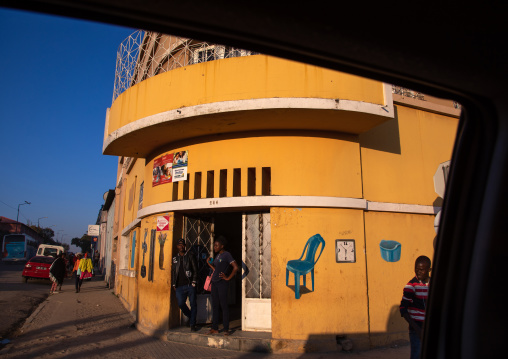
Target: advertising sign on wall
[(180, 161), (171, 167), (156, 175), (162, 169), (163, 223), (93, 230)]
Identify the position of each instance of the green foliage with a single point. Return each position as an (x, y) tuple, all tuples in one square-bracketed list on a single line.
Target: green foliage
[(65, 245), (46, 234), (84, 242)]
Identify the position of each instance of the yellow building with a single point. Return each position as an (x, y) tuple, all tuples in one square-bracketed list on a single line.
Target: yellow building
[(271, 153)]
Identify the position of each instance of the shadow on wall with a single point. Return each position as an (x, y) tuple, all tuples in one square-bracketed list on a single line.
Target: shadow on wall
[(384, 137), (395, 322), (335, 343)]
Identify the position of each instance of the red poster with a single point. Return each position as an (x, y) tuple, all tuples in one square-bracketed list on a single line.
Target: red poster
[(156, 175), (166, 166), (162, 170)]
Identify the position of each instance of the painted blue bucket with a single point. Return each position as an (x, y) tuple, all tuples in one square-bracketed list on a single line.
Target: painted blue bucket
[(390, 250)]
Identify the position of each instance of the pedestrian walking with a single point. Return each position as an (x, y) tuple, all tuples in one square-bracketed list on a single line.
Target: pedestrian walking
[(57, 273), (224, 269), (86, 269), (414, 303), (77, 272), (71, 260), (184, 279)]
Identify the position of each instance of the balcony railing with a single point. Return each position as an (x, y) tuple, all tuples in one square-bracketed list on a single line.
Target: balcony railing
[(407, 92), (145, 54)]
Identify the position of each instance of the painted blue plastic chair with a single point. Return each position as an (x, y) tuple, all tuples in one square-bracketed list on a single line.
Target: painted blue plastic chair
[(301, 267)]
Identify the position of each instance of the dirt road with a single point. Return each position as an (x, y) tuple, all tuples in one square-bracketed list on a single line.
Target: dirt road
[(18, 299)]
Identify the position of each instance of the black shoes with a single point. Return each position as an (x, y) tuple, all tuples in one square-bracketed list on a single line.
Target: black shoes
[(194, 328)]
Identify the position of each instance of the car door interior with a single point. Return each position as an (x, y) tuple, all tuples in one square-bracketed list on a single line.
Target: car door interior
[(449, 51)]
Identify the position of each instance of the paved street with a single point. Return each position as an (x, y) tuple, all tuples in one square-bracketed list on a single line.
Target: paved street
[(17, 298), (94, 324)]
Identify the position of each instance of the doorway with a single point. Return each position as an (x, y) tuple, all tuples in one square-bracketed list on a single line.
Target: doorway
[(249, 242), (229, 225), (199, 231), (257, 276)]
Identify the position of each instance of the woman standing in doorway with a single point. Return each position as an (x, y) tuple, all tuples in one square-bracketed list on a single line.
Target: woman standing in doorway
[(221, 276)]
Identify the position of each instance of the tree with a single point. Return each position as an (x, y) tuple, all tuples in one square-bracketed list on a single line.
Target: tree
[(84, 242), (65, 245), (46, 234)]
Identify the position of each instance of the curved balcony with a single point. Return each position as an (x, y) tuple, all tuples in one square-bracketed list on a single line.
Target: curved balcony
[(145, 54), (196, 97)]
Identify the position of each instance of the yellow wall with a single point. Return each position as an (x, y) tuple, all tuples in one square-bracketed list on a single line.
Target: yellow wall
[(239, 78), (155, 297), (394, 163), (339, 303), (126, 290), (132, 185), (387, 279), (300, 165), (126, 287), (404, 174)]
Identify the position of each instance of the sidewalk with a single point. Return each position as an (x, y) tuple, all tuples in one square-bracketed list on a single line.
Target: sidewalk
[(94, 324)]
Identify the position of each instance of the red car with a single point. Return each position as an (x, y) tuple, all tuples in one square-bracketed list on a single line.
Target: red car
[(37, 267)]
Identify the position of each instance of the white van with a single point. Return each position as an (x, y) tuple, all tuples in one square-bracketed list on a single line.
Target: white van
[(49, 250)]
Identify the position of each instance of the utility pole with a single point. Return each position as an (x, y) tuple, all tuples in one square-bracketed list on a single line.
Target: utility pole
[(58, 232), (38, 224), (17, 218)]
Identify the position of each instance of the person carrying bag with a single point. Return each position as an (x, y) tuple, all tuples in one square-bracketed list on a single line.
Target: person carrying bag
[(220, 284), (208, 282)]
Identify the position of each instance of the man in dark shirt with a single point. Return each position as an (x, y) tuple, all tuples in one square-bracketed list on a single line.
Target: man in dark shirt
[(184, 278)]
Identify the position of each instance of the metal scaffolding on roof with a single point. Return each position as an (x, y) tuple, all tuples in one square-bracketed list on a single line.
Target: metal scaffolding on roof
[(145, 54)]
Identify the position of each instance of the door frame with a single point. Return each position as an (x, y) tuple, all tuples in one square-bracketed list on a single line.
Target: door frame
[(260, 308)]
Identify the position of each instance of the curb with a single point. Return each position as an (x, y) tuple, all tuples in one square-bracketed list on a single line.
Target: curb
[(27, 322), (31, 318), (220, 342)]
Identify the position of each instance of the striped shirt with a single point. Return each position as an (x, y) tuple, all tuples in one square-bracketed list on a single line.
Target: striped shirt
[(414, 300)]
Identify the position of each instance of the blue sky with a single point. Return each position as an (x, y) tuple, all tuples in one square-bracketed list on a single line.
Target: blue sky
[(57, 77)]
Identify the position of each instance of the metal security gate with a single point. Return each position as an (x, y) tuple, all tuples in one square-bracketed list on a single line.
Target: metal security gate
[(198, 234), (257, 277)]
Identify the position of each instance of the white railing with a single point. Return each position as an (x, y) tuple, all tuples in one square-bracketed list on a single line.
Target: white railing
[(145, 54)]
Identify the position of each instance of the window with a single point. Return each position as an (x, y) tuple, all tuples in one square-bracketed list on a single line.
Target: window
[(208, 53), (251, 181), (223, 183), (210, 184)]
